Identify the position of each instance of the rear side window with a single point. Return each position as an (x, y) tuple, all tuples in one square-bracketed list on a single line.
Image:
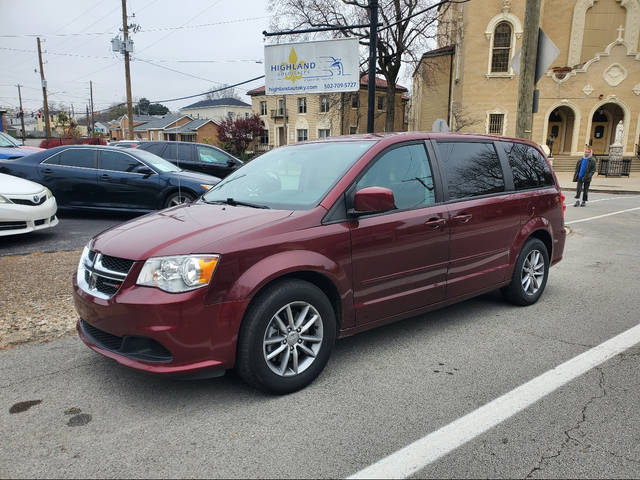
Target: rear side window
[(406, 172), (471, 169), (177, 153), (155, 148), (211, 155), (74, 157), (529, 168)]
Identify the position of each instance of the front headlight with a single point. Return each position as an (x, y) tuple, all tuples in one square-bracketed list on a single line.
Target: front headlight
[(179, 273), (48, 192), (4, 200)]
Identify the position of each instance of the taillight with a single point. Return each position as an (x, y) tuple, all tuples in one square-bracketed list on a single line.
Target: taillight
[(564, 207)]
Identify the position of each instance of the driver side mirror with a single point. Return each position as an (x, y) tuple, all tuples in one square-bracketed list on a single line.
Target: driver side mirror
[(146, 171), (372, 200)]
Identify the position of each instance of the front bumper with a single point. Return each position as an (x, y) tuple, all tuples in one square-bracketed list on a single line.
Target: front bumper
[(16, 218), (191, 336)]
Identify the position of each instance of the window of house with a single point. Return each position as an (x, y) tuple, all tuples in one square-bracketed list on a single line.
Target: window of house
[(246, 114), (323, 132), (303, 134), (355, 100), (496, 123), (406, 172), (529, 168), (324, 104), (353, 130), (501, 48), (471, 169), (263, 108), (302, 105), (280, 107), (381, 100), (264, 136)]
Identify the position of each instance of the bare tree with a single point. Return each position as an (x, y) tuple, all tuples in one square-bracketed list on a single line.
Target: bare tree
[(461, 117), (229, 92), (409, 27)]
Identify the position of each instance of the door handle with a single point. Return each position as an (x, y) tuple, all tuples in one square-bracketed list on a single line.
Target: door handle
[(106, 176), (463, 218), (47, 170), (435, 222)]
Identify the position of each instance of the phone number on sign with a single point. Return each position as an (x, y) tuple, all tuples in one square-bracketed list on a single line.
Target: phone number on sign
[(340, 85)]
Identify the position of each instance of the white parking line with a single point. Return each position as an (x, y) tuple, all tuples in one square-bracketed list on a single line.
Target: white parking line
[(618, 197), (422, 452), (602, 216)]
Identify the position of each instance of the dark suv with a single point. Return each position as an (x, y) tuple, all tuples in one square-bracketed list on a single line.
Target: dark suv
[(315, 241), (197, 157)]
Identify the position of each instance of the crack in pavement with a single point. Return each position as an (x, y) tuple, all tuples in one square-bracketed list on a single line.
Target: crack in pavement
[(554, 339), (569, 432)]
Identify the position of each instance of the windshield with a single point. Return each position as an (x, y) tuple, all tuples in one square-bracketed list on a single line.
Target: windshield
[(158, 163), (295, 177), (8, 141)]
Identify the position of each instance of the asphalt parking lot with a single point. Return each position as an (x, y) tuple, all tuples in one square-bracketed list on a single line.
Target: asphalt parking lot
[(381, 391)]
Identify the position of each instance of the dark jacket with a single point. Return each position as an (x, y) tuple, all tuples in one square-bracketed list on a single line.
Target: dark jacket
[(591, 169)]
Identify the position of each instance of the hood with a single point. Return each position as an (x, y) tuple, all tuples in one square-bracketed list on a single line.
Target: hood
[(13, 152), (191, 228), (10, 185), (196, 177)]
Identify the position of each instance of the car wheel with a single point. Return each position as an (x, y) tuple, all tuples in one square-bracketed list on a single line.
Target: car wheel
[(529, 275), (178, 198), (286, 337)]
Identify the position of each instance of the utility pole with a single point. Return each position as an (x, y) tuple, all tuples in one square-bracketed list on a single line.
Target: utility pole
[(373, 39), (47, 125), (127, 72), (526, 84), (91, 103), (87, 114), (21, 112)]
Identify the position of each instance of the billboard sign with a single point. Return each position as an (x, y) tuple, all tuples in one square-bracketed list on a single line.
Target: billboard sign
[(325, 66)]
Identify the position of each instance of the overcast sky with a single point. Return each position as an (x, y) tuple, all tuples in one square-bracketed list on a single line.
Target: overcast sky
[(231, 46)]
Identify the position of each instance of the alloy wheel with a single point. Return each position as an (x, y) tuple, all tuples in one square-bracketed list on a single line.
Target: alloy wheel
[(533, 269)]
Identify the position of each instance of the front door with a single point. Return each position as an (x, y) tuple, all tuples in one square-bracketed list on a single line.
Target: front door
[(599, 137), (399, 258), (119, 184), (282, 136), (555, 134)]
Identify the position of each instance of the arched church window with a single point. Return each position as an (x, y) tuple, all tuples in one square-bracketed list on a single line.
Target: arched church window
[(501, 48)]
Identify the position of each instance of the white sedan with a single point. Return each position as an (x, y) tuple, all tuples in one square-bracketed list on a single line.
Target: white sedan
[(25, 206)]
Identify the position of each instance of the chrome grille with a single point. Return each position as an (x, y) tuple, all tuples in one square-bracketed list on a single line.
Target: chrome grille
[(103, 275)]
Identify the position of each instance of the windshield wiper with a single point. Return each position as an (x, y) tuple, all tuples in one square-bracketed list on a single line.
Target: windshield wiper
[(235, 203)]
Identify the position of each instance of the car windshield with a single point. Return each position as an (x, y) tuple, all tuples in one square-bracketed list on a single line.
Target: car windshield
[(8, 141), (156, 162), (295, 177)]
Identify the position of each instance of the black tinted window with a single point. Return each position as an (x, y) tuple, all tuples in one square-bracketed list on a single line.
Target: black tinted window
[(177, 153), (155, 148), (74, 157), (407, 173), (529, 168), (472, 169), (118, 162), (211, 155)]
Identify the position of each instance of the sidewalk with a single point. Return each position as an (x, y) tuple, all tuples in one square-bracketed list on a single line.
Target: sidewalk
[(600, 183)]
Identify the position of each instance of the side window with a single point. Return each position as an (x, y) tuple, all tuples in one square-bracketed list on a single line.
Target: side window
[(211, 155), (117, 162), (471, 169), (177, 153), (529, 167), (77, 157), (406, 171), (156, 148)]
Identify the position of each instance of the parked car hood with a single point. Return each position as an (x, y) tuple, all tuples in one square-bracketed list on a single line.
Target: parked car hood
[(196, 176), (191, 228), (10, 185), (13, 152)]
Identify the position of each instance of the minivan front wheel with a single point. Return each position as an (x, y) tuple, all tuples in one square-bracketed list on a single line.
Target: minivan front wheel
[(530, 274), (286, 337)]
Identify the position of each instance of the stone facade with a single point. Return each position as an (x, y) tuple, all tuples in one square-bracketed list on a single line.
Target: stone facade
[(592, 86), (292, 118)]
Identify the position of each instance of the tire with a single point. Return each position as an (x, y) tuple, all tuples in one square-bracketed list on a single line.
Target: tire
[(274, 359), (529, 275), (178, 198)]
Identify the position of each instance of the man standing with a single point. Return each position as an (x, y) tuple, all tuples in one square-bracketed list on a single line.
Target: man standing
[(585, 168)]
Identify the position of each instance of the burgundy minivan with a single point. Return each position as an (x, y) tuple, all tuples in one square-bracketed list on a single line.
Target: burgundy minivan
[(315, 241)]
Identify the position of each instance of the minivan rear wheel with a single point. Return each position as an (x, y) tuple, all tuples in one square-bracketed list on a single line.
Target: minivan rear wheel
[(286, 337), (529, 275)]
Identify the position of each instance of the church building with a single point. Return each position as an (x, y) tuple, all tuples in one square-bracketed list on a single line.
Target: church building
[(591, 90)]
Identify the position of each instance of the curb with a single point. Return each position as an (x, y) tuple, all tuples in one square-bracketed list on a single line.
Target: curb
[(604, 190)]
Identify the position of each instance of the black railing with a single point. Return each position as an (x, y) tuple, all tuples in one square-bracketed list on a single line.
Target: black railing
[(614, 168)]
